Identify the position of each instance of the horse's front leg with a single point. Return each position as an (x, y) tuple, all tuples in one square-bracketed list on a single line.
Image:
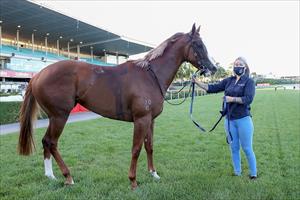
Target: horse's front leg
[(149, 149), (142, 125)]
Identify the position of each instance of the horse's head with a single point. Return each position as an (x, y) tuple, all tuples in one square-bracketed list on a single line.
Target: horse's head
[(196, 52)]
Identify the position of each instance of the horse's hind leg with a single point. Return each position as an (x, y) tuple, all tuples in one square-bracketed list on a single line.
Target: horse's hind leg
[(149, 149), (56, 125), (47, 155)]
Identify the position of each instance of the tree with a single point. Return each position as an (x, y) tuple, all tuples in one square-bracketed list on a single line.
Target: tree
[(220, 73), (185, 71), (253, 75)]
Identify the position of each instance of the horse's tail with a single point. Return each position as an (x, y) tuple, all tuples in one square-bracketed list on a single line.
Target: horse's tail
[(27, 116)]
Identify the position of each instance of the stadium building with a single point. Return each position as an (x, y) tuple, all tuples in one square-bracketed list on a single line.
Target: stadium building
[(34, 36)]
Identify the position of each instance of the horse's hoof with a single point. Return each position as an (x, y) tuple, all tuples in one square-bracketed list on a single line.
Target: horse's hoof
[(51, 176), (154, 174), (69, 181), (134, 185)]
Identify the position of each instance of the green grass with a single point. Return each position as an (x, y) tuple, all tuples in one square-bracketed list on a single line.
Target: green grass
[(192, 165)]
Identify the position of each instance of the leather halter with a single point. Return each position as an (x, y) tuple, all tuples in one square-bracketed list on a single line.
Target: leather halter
[(197, 55)]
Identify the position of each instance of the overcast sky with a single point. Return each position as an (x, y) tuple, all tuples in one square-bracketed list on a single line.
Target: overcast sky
[(266, 33)]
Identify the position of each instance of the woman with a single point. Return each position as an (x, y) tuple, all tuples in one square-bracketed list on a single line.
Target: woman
[(239, 93)]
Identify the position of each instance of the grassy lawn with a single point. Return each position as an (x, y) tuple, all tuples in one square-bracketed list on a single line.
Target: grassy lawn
[(192, 165)]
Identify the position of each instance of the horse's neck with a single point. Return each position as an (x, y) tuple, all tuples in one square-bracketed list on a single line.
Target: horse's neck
[(166, 66)]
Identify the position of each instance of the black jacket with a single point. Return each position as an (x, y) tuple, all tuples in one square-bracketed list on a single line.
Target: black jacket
[(244, 88)]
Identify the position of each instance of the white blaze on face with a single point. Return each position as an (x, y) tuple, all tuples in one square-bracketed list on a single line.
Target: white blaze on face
[(48, 168)]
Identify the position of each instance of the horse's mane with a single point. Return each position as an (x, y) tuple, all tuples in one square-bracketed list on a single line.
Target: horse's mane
[(157, 52)]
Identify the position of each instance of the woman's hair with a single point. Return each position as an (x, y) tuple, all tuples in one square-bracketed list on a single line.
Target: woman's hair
[(247, 71)]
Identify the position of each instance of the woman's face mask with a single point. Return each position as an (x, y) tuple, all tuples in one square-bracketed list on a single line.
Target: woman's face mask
[(239, 68)]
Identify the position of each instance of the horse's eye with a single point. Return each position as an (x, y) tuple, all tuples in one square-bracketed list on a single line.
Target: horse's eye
[(198, 44)]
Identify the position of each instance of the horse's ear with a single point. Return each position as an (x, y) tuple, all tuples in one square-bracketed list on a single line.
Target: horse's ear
[(198, 29), (193, 30)]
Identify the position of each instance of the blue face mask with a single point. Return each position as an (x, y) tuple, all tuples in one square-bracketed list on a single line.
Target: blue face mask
[(239, 70)]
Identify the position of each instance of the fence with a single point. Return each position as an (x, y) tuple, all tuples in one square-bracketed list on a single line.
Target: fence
[(170, 95)]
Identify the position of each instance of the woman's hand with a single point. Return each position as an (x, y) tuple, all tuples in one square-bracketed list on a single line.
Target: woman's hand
[(229, 99), (194, 80), (200, 84)]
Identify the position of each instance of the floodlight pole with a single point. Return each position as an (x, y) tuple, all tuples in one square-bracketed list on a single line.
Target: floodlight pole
[(46, 45), (78, 51), (57, 46), (18, 39), (105, 56), (92, 54), (0, 36), (32, 42), (69, 50), (117, 58)]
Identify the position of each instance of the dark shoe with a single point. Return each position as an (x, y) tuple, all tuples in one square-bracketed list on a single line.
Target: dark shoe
[(252, 177), (234, 174)]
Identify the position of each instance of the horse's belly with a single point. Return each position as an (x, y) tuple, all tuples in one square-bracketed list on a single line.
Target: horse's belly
[(107, 104)]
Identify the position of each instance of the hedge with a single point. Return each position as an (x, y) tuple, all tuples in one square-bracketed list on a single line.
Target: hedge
[(9, 112)]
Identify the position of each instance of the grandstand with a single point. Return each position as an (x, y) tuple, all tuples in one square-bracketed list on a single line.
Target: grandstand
[(33, 36)]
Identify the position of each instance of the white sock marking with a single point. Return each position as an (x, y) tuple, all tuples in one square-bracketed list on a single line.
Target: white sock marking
[(154, 174), (48, 168)]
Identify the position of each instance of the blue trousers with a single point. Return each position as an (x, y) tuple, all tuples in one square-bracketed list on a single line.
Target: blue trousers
[(242, 135)]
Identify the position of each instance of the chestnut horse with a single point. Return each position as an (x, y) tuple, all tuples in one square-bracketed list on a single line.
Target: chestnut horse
[(131, 92)]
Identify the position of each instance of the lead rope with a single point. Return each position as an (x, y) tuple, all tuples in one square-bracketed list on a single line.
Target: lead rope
[(192, 86), (177, 92), (157, 82), (185, 97), (226, 107), (191, 107)]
